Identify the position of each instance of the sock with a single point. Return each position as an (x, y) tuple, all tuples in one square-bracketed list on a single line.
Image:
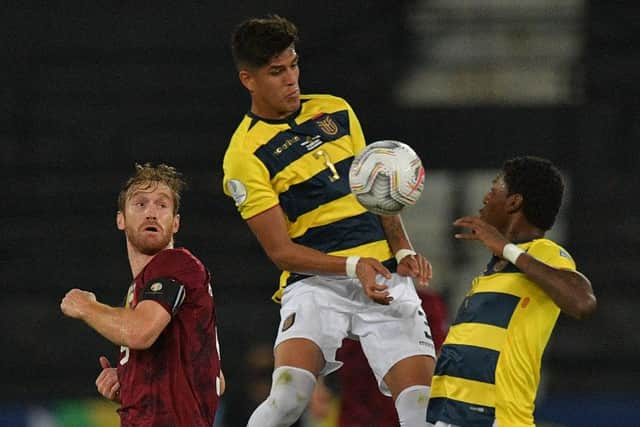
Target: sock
[(411, 405), (291, 390)]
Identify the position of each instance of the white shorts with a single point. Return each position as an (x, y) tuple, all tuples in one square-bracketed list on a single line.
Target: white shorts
[(326, 310)]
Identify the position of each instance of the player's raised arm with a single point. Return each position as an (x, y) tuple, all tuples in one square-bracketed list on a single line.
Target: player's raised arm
[(569, 289), (512, 306)]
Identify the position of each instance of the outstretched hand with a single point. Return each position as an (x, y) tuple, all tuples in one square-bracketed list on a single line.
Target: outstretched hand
[(418, 267), (481, 230), (366, 270), (107, 382)]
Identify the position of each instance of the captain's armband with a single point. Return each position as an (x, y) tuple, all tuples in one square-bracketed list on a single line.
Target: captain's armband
[(165, 290)]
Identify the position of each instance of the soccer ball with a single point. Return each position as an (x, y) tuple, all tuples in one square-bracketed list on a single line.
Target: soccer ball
[(386, 176)]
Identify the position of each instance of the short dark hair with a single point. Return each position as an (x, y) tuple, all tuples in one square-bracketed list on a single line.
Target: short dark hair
[(148, 175), (256, 41), (541, 186)]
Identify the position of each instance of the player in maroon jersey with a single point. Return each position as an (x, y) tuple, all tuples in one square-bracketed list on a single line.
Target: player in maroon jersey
[(169, 369)]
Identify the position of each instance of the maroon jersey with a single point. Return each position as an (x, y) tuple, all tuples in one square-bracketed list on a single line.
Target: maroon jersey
[(173, 383), (362, 404)]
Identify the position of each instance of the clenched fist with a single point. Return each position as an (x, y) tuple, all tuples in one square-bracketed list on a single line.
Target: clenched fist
[(76, 303)]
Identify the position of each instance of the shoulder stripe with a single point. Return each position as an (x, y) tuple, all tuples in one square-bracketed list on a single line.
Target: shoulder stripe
[(179, 299), (479, 363), (344, 234), (308, 195), (492, 308)]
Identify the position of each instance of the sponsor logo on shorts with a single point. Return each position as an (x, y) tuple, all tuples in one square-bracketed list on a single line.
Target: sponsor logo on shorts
[(288, 322), (156, 287)]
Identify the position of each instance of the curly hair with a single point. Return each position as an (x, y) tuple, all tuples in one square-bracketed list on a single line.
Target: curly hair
[(147, 175), (256, 41), (541, 186)]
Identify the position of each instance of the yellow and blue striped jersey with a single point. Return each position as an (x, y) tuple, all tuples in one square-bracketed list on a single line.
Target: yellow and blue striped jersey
[(489, 367), (302, 163)]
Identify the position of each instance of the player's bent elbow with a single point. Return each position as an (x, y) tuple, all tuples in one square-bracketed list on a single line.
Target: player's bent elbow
[(581, 302), (581, 308), (282, 259), (141, 340), (586, 307)]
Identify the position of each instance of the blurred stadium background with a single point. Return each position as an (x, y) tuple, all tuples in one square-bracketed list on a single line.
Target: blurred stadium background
[(89, 88)]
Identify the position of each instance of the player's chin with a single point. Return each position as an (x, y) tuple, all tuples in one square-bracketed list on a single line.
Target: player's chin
[(292, 103), (153, 247)]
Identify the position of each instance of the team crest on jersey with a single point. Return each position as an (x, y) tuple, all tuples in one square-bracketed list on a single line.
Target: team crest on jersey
[(238, 191), (327, 125), (288, 322)]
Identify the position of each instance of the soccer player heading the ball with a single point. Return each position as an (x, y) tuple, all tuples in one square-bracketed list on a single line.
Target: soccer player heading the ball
[(489, 366), (169, 368), (286, 168)]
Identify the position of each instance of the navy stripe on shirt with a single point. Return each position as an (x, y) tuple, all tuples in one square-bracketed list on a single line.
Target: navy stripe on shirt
[(344, 234), (288, 146), (308, 195), (469, 362), (459, 413), (491, 308)]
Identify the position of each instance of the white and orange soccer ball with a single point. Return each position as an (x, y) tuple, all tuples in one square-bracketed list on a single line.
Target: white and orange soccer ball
[(386, 177)]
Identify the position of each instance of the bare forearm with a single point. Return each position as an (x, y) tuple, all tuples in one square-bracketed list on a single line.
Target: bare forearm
[(302, 259), (395, 233), (570, 290), (271, 231), (113, 323)]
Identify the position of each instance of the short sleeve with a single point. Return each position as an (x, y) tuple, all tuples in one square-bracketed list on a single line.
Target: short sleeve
[(171, 277), (247, 181), (552, 254)]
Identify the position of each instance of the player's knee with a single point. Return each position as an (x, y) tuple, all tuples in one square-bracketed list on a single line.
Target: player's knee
[(290, 392), (411, 405)]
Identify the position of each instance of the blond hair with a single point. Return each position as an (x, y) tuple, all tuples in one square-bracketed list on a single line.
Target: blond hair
[(147, 175)]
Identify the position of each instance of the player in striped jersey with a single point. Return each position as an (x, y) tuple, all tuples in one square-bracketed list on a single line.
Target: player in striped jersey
[(286, 168), (488, 371)]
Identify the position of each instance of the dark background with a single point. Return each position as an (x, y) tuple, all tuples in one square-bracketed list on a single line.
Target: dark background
[(89, 88)]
